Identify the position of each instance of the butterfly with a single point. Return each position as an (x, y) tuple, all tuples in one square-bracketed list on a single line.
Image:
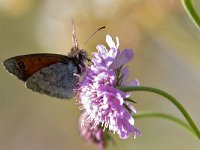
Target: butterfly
[(52, 74)]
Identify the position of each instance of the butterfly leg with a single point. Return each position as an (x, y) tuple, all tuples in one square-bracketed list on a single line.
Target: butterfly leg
[(77, 75), (89, 60), (82, 68)]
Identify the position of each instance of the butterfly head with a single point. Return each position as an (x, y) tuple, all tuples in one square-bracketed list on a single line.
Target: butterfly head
[(82, 55), (78, 54)]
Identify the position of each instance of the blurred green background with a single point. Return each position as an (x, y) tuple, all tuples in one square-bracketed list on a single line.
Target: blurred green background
[(167, 56)]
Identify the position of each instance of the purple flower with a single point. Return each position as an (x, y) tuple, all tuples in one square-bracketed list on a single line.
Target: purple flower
[(95, 135), (103, 104)]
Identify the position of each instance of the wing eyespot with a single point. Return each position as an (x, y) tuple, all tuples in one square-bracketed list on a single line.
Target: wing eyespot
[(21, 65)]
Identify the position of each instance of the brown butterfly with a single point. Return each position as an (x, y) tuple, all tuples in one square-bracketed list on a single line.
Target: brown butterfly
[(52, 74)]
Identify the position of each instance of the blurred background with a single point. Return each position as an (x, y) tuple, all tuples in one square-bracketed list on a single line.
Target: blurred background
[(167, 56)]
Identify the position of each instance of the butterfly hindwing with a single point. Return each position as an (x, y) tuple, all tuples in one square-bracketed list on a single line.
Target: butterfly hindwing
[(57, 80)]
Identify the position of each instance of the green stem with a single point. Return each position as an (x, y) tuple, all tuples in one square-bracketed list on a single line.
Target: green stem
[(165, 116), (187, 4), (169, 97)]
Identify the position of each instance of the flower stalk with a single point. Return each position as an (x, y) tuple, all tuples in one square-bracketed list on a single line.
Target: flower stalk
[(180, 122), (170, 98)]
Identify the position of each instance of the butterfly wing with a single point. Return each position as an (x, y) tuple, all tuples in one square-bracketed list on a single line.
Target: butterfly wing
[(51, 74), (56, 80), (25, 65)]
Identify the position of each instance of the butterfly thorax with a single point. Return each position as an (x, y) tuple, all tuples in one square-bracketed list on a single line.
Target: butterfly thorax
[(79, 57)]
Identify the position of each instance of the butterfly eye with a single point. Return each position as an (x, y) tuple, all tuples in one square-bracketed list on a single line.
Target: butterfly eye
[(21, 65)]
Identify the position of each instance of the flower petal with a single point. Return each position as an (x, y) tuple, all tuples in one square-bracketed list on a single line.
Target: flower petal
[(133, 83), (110, 42), (125, 57), (117, 42), (101, 49)]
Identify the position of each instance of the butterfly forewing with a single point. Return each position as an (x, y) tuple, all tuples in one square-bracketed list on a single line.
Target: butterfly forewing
[(25, 65)]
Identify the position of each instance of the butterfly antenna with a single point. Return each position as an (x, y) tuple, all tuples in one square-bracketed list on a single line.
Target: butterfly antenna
[(103, 27), (74, 39)]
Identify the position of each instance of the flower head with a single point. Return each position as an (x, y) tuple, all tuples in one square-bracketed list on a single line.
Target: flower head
[(96, 135), (101, 101)]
